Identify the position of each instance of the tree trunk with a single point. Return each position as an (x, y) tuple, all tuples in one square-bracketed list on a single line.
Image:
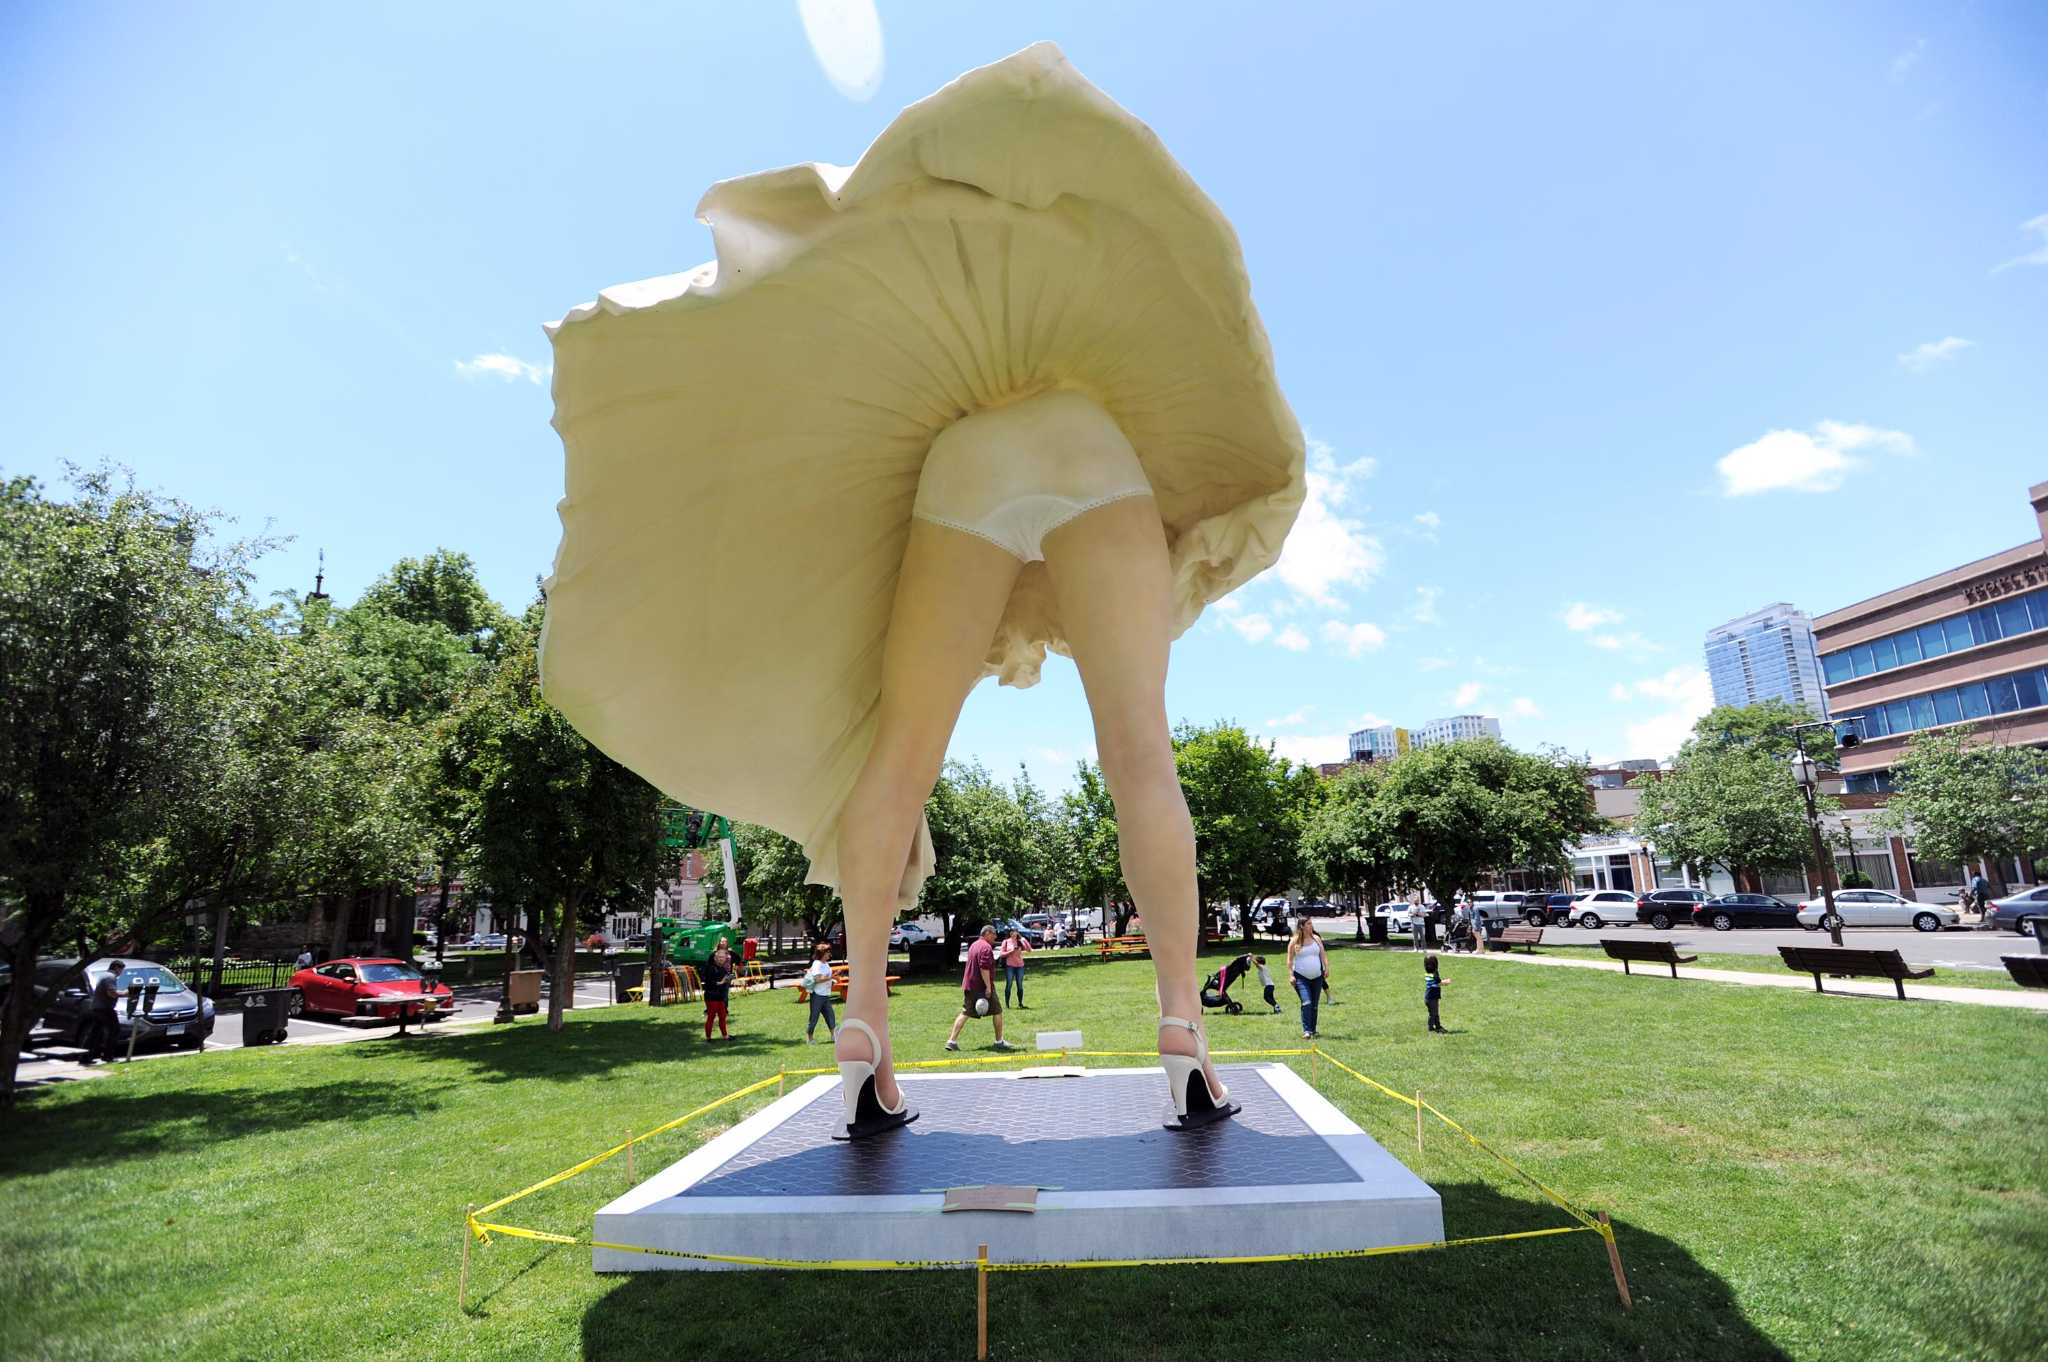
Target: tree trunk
[(220, 948), (563, 973), (441, 920), (43, 912)]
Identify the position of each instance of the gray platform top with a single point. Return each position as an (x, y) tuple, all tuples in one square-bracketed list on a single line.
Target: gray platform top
[(1100, 1133)]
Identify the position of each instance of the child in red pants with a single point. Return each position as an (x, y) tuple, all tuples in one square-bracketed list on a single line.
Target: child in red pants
[(717, 980)]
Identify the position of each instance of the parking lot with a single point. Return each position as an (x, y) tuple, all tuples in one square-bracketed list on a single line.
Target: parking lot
[(50, 1057)]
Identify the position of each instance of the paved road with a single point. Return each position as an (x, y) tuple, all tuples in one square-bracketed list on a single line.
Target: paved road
[(50, 1057), (1950, 950)]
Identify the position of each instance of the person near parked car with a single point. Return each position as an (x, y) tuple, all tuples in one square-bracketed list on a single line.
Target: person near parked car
[(716, 976), (817, 984), (103, 1028), (305, 960), (1980, 892), (1432, 991), (1015, 948), (1307, 965)]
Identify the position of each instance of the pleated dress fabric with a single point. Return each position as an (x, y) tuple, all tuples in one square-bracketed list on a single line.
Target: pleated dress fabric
[(743, 441)]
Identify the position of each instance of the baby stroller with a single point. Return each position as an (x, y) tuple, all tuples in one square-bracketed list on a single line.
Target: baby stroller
[(1216, 988)]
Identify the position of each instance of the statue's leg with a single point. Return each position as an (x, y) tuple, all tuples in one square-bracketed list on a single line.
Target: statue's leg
[(1110, 575), (949, 600)]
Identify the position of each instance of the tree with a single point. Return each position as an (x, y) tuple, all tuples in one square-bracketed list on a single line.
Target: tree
[(1730, 799), (1455, 811), (561, 830), (1963, 797), (1348, 840), (1767, 726), (771, 871), (116, 628), (1248, 806), (978, 833), (1094, 869)]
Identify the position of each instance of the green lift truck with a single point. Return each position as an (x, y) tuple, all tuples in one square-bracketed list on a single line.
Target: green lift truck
[(682, 941)]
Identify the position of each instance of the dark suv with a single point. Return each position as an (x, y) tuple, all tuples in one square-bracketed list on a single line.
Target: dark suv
[(1546, 910), (1667, 908)]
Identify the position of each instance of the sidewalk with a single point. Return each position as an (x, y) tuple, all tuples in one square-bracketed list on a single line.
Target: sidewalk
[(2027, 1001)]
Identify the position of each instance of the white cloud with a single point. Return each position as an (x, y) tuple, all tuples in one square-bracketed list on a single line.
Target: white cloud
[(1429, 520), (1254, 627), (1799, 461), (1432, 664), (1467, 693), (1923, 357), (1229, 605), (1292, 639), (1687, 695), (1300, 716), (1354, 638), (846, 38), (1580, 617), (1522, 707), (1903, 64), (2037, 256), (1327, 552), (508, 367), (1424, 609), (1620, 691), (1312, 748), (1607, 641)]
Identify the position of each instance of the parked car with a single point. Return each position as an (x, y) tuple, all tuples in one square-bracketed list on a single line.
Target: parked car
[(360, 986), (1878, 908), (905, 934), (1596, 908), (488, 941), (1663, 908), (636, 942), (1005, 925), (179, 1017), (1398, 916), (1730, 911), (2024, 911), (1502, 907)]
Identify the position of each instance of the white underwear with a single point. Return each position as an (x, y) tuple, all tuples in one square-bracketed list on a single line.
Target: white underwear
[(1012, 475)]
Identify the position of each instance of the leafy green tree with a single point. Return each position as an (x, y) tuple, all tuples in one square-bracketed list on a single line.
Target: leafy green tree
[(1094, 869), (1730, 799), (978, 833), (441, 590), (117, 627), (1348, 840), (1962, 797), (1248, 806), (561, 830), (1455, 811), (770, 869)]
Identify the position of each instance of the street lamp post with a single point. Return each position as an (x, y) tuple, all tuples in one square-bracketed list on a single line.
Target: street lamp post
[(1807, 772)]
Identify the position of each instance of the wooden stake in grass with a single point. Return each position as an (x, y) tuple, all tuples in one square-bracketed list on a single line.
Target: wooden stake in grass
[(981, 1303), (1418, 1120), (629, 1157), (462, 1289), (1614, 1260)]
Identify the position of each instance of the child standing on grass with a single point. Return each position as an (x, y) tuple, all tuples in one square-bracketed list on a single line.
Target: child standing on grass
[(716, 977), (1432, 990), (1265, 981)]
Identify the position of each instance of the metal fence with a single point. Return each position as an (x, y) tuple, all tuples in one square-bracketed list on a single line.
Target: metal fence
[(238, 972)]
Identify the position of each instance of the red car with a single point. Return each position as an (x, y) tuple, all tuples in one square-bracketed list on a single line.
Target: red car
[(358, 987)]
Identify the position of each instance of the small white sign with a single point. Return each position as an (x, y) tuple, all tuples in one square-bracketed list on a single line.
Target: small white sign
[(380, 926)]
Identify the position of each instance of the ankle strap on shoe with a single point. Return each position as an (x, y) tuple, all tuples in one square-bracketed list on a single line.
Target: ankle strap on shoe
[(874, 1041)]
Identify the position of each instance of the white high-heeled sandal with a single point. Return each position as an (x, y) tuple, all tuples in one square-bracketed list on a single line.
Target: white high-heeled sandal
[(1193, 1106), (865, 1114)]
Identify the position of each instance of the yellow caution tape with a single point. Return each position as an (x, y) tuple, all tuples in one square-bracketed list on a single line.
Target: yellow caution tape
[(483, 1229)]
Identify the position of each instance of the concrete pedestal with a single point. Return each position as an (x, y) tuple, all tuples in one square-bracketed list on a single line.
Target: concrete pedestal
[(1289, 1174)]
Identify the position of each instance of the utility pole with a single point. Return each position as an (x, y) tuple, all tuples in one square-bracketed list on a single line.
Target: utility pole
[(1807, 772)]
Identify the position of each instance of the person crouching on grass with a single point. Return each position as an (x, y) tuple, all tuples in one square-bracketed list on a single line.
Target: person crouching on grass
[(717, 981), (1432, 991), (978, 989)]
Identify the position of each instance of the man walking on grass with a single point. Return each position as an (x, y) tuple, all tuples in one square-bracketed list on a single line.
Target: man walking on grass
[(978, 989)]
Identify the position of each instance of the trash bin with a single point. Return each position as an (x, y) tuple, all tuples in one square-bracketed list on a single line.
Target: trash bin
[(266, 1015), (626, 978), (1375, 929), (931, 957), (525, 990)]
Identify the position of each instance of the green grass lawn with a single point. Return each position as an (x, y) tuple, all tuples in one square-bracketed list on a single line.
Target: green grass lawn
[(1790, 1176), (1771, 964)]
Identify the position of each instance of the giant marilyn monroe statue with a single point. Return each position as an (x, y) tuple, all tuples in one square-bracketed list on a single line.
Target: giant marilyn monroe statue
[(998, 387)]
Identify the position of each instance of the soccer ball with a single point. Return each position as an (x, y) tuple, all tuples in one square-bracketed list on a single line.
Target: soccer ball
[(981, 1007)]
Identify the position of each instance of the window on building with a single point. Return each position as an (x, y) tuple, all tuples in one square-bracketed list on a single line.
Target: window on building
[(1928, 872), (1948, 706), (1884, 653), (1876, 865), (1976, 700), (1933, 639), (1959, 636), (1620, 874)]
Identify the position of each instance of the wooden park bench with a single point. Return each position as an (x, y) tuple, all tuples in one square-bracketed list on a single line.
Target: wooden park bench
[(2028, 971), (1819, 960), (1123, 945), (1520, 934), (1644, 952)]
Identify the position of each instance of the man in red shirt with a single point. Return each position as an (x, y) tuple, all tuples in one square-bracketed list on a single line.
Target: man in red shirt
[(978, 986)]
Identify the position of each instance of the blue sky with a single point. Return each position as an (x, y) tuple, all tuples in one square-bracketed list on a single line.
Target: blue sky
[(1608, 322)]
